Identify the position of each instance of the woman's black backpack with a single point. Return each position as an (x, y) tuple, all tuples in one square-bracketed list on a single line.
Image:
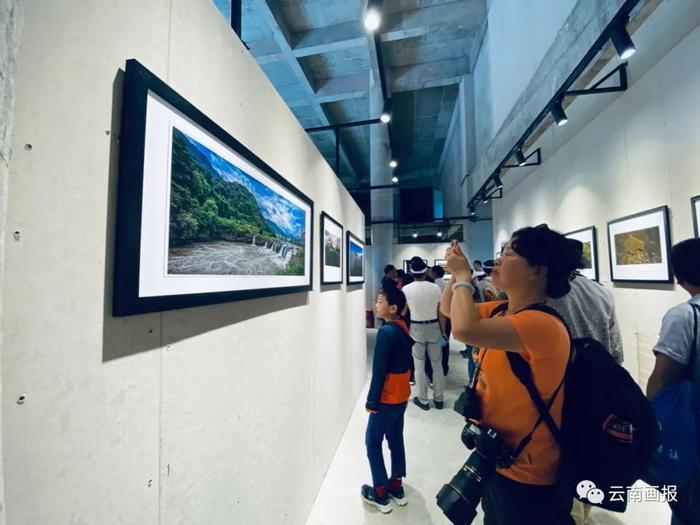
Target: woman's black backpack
[(609, 431)]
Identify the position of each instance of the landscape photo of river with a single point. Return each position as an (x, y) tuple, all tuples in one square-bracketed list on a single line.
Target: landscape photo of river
[(223, 221)]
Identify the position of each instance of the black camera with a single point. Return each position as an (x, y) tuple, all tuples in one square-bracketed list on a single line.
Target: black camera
[(468, 404), (458, 499)]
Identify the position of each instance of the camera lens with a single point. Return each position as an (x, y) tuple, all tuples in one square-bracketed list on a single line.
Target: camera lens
[(459, 498)]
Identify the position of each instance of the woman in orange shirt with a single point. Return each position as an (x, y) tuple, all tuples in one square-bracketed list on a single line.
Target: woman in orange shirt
[(534, 265)]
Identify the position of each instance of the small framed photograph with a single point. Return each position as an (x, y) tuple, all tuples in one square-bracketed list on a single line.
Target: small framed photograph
[(201, 219), (695, 203), (639, 245), (442, 263), (355, 250), (589, 261), (331, 250)]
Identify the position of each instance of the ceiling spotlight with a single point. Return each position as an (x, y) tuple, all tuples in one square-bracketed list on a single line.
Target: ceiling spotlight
[(485, 201), (439, 234), (394, 179), (497, 181), (414, 234), (623, 42), (520, 157), (386, 112), (558, 114), (393, 163), (373, 15)]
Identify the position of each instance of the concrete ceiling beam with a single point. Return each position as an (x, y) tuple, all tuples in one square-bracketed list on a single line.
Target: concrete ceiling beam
[(429, 74), (329, 38), (271, 14), (342, 88), (466, 15)]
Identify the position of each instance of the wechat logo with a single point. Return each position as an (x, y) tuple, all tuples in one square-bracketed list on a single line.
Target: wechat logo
[(587, 490)]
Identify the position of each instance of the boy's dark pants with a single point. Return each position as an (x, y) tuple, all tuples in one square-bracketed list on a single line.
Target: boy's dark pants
[(388, 421)]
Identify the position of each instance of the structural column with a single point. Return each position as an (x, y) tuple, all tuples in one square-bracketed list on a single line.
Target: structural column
[(382, 200)]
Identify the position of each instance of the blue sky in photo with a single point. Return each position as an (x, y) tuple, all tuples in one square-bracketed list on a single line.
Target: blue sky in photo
[(288, 217), (355, 249)]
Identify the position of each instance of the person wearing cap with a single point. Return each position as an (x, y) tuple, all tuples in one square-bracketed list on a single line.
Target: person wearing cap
[(488, 290), (427, 327)]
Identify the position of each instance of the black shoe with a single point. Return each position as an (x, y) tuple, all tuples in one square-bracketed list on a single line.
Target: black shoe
[(370, 497), (420, 404), (398, 496), (439, 404)]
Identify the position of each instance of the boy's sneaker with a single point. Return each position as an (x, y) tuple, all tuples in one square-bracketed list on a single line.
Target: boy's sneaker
[(439, 404), (370, 497), (420, 404), (398, 496)]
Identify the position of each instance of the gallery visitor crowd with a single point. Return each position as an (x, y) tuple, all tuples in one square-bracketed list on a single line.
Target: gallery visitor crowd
[(529, 309)]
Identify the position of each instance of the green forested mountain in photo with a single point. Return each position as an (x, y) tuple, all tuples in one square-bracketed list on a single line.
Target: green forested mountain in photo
[(205, 207)]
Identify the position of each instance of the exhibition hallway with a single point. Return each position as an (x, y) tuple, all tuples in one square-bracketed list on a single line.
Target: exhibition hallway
[(434, 453)]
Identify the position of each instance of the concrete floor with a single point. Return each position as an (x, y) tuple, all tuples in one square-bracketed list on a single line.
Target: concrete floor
[(434, 453)]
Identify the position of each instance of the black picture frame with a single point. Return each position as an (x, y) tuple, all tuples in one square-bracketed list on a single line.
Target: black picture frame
[(325, 278), (659, 272), (143, 91), (695, 206), (350, 238), (588, 234)]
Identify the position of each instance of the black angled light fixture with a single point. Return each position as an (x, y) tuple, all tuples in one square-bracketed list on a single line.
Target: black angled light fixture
[(386, 112), (497, 178), (623, 42), (520, 156), (558, 113)]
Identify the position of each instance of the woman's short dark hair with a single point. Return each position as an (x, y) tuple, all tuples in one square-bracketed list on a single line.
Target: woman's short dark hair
[(541, 246), (394, 297), (685, 260)]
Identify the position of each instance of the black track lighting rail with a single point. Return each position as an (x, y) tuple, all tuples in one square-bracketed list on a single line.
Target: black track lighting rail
[(616, 26)]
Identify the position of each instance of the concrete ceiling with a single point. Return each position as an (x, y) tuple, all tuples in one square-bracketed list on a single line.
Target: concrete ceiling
[(321, 60)]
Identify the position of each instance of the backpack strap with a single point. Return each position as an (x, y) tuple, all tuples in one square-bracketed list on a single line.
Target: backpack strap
[(690, 372), (521, 370)]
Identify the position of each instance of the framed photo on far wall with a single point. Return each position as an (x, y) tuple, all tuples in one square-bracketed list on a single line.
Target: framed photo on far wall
[(442, 263), (355, 250), (201, 219), (587, 236), (639, 246), (695, 203), (331, 250)]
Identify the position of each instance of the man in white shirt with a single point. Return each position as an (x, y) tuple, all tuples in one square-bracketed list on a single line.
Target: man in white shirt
[(422, 298)]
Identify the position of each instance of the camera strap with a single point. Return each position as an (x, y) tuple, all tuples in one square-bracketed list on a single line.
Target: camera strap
[(521, 370)]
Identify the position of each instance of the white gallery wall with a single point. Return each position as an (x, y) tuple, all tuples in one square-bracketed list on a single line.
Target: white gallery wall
[(221, 414), (638, 152)]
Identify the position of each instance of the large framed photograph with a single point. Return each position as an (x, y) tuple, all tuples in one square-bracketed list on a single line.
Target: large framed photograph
[(331, 250), (442, 263), (589, 261), (200, 218), (695, 203), (638, 246), (355, 250)]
